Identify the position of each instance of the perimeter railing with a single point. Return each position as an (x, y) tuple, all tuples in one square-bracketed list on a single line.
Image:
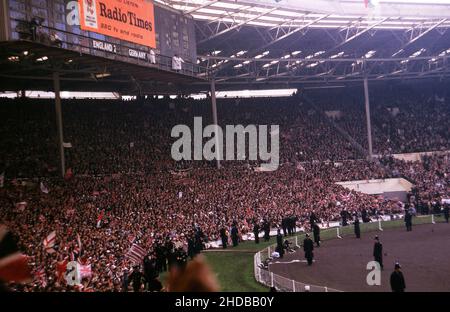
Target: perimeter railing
[(262, 259)]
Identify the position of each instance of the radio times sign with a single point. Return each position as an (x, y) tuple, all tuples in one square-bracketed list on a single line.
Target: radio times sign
[(130, 20)]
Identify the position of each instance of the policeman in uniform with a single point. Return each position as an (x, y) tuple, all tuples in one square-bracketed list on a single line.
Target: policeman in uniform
[(308, 247), (408, 220), (256, 232), (234, 235), (446, 212), (357, 229), (316, 234), (397, 280), (280, 247), (224, 237), (378, 251), (266, 231)]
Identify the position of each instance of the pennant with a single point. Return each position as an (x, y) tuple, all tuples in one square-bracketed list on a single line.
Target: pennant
[(44, 189), (21, 205)]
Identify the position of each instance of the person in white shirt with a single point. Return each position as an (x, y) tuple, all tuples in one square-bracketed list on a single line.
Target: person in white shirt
[(177, 63), (152, 57)]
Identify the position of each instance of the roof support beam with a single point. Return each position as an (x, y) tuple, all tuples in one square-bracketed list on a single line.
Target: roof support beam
[(237, 26), (347, 40), (414, 39), (205, 5)]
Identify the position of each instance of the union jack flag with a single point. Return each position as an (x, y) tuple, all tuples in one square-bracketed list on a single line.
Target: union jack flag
[(136, 254)]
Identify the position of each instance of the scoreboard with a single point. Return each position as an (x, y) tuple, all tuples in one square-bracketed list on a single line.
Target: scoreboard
[(106, 27)]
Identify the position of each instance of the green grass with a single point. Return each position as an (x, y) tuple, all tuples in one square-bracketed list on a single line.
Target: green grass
[(234, 267), (234, 271)]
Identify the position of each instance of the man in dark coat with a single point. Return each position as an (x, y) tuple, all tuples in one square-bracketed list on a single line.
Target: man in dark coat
[(365, 216), (224, 237), (234, 235), (308, 247), (150, 272), (198, 240), (280, 247), (191, 246), (378, 251), (256, 232), (408, 220), (266, 231), (312, 218), (446, 212), (125, 280), (397, 279), (316, 234), (136, 278), (357, 229), (284, 225), (344, 217), (292, 224)]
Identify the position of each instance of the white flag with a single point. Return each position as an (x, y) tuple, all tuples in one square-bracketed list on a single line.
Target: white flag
[(21, 205), (67, 144), (44, 189)]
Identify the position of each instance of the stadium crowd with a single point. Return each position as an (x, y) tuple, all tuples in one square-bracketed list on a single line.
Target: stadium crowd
[(404, 121), (125, 189)]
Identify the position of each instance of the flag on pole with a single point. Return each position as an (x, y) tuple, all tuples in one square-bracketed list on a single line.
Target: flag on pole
[(79, 242), (41, 277), (49, 242), (136, 253), (13, 264), (99, 219), (61, 268), (44, 189)]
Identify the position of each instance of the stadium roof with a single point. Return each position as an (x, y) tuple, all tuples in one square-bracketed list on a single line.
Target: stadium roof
[(286, 43)]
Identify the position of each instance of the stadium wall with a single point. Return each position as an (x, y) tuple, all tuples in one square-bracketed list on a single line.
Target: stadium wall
[(415, 156), (395, 189)]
